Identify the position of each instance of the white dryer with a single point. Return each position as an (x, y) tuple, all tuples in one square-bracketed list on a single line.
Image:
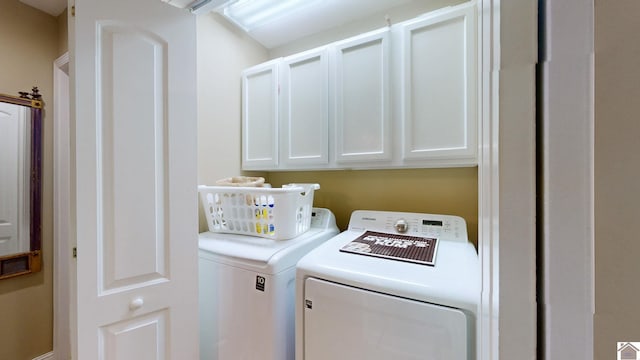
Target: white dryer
[(247, 296), (393, 286)]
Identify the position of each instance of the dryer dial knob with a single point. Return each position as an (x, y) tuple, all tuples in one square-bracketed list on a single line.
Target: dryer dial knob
[(402, 226)]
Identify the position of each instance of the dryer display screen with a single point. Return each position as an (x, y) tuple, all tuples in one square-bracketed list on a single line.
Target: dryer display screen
[(432, 222), (419, 250)]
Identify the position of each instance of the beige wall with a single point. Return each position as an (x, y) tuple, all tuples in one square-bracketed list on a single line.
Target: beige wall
[(438, 191), (223, 52), (30, 45), (63, 33), (617, 170)]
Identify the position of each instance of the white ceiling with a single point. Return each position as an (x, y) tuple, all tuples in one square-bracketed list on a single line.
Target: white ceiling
[(317, 17), (52, 7)]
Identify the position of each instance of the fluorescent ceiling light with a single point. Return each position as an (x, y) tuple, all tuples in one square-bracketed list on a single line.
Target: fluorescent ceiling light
[(204, 6), (250, 14)]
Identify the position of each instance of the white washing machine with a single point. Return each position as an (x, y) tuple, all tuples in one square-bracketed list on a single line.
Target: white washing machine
[(247, 309), (393, 286)]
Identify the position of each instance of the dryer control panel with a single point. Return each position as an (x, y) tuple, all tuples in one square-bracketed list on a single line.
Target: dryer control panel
[(442, 227)]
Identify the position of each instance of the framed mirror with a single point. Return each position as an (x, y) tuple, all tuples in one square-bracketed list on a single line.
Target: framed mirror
[(20, 183)]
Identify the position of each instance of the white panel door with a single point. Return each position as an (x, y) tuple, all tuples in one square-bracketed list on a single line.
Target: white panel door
[(134, 108), (304, 110), (260, 116), (439, 86), (342, 322), (14, 179), (361, 99)]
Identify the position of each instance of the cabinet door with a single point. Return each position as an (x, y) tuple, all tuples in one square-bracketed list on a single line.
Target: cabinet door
[(439, 87), (260, 117), (361, 98), (304, 110)]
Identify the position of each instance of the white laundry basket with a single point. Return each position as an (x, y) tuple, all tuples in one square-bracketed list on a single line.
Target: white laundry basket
[(273, 213)]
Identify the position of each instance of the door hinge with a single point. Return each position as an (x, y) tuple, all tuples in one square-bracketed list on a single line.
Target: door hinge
[(73, 10), (75, 252)]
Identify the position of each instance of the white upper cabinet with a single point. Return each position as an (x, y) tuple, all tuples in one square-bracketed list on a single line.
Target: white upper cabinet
[(260, 86), (439, 73), (361, 99), (304, 110), (401, 96)]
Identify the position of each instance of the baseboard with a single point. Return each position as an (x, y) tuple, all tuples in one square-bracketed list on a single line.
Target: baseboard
[(47, 356)]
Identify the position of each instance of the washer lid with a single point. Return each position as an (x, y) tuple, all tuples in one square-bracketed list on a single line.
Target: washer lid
[(259, 254)]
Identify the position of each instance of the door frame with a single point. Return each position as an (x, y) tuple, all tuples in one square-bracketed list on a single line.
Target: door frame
[(501, 308), (507, 322), (567, 107), (61, 213), (507, 167)]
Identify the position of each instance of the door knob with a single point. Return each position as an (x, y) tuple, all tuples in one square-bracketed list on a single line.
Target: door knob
[(136, 303)]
